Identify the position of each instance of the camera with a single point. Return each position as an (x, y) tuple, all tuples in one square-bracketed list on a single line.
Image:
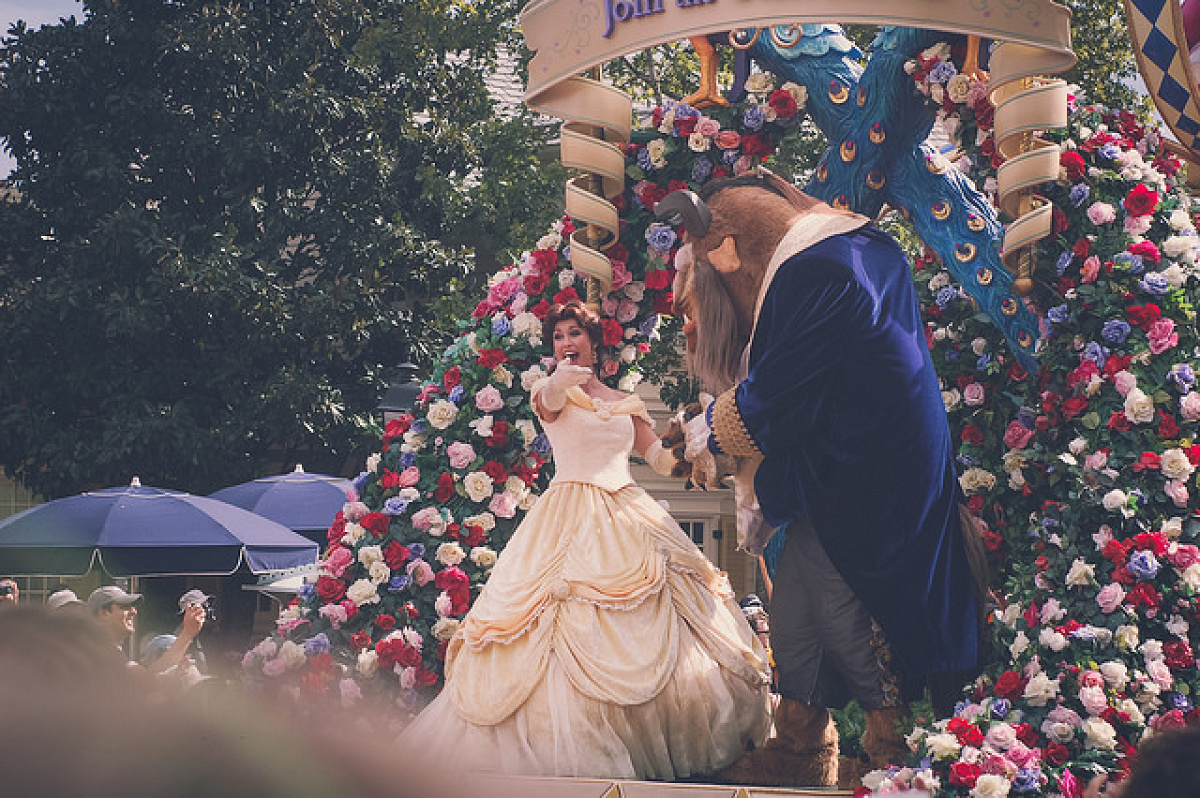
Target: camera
[(210, 614)]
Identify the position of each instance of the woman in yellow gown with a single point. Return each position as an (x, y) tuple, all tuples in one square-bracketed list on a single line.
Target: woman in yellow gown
[(604, 644)]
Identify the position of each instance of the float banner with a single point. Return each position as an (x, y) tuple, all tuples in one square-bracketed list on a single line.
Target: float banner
[(571, 36)]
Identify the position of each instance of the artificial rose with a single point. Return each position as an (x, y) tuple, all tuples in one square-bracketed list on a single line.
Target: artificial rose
[(1162, 336), (1140, 201), (376, 523), (488, 399), (1017, 435), (727, 139), (1110, 597), (441, 414), (460, 454), (478, 486), (1139, 408)]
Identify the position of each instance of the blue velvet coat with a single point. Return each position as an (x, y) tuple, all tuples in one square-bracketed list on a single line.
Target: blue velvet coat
[(843, 402)]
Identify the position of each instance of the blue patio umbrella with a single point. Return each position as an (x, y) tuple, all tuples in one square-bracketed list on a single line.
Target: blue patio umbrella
[(145, 531), (303, 502)]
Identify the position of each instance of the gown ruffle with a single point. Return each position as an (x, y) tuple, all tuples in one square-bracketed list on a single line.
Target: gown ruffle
[(604, 644)]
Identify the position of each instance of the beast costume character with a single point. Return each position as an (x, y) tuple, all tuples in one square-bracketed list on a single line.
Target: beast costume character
[(839, 405)]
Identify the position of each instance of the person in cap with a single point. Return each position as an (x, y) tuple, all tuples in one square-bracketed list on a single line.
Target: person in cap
[(64, 600), (9, 593), (196, 598), (116, 612)]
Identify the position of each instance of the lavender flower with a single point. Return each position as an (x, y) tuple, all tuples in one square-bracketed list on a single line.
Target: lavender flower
[(456, 394), (501, 325), (317, 644), (1000, 708), (1064, 260), (1079, 194), (1143, 564), (644, 162), (395, 506), (541, 444), (1058, 314), (946, 295), (753, 117), (1096, 353), (1115, 331), (660, 237), (416, 550), (1154, 284), (407, 459), (398, 582), (1182, 377), (685, 111), (701, 170), (1109, 151), (942, 72)]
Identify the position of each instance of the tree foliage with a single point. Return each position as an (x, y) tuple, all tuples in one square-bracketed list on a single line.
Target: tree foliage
[(229, 221)]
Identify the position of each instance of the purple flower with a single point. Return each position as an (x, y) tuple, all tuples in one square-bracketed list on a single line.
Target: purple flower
[(407, 459), (1079, 194), (1026, 780), (685, 111), (307, 591), (1129, 262), (456, 394), (1143, 564), (946, 295), (1115, 331), (1096, 353), (1058, 314), (643, 161), (501, 325), (541, 444), (1179, 701), (1182, 377), (395, 506), (660, 237), (753, 118), (1000, 708), (942, 72), (317, 644), (398, 582), (1064, 260), (731, 156), (416, 550), (1154, 284), (1109, 151), (701, 170)]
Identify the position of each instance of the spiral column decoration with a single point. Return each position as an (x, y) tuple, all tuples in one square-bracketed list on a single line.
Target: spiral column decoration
[(598, 120)]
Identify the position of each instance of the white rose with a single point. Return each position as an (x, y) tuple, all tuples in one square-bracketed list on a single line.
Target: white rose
[(483, 557), (1152, 650), (1040, 689), (1176, 465), (445, 628), (527, 430), (1093, 699), (1055, 641), (370, 554), (450, 553), (1001, 736), (1126, 637), (1129, 707), (442, 604), (951, 399), (698, 142), (1019, 645), (941, 746), (655, 148), (760, 82), (353, 533), (362, 592), (379, 572), (367, 662), (373, 462), (957, 88), (485, 521), (1139, 408), (1081, 573), (976, 479), (442, 413), (1114, 500), (527, 324), (1013, 460), (292, 654), (478, 486), (990, 785), (549, 241), (1100, 734), (1180, 220), (1115, 673), (1191, 576), (939, 281)]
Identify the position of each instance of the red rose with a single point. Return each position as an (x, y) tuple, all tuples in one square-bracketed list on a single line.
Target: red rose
[(452, 531), (426, 677), (545, 261), (721, 170), (658, 279), (360, 641), (476, 535), (1142, 595), (756, 146), (1168, 427), (1155, 542), (1117, 363), (972, 435), (497, 472), (451, 378), (1073, 406), (411, 611), (612, 332), (376, 523), (337, 530), (1140, 201), (984, 115), (675, 185), (535, 284), (1119, 421), (385, 622), (449, 577), (445, 489), (1010, 685), (1059, 221), (407, 656), (499, 436), (1074, 164), (1148, 461), (396, 427), (963, 774), (1027, 735), (651, 195), (1146, 250), (1057, 754), (783, 102), (490, 358), (664, 303), (975, 504), (1178, 655), (330, 588), (566, 295), (684, 127), (541, 309), (395, 555)]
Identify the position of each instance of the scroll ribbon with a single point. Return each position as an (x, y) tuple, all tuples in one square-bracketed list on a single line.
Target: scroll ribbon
[(599, 119), (1026, 104)]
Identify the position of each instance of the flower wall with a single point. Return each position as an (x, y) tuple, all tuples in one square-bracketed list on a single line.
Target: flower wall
[(1082, 475), (436, 505)]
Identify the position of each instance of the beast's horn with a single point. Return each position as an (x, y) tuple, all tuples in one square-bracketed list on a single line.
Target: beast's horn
[(686, 206)]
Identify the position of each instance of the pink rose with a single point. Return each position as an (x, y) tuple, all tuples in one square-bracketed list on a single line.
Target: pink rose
[(409, 477), (503, 504), (1093, 700), (1177, 492), (1183, 555), (421, 572), (1168, 720), (974, 394), (626, 311), (1162, 336), (1101, 213), (1091, 679), (728, 140), (1021, 755), (620, 275), (1096, 461), (274, 667), (1160, 673), (503, 290), (1110, 597), (489, 400), (1124, 382), (1189, 406), (338, 560), (1017, 435), (354, 511), (461, 455), (1090, 269), (708, 127)]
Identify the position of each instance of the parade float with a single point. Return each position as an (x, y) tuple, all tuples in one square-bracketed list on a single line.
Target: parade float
[(1058, 277)]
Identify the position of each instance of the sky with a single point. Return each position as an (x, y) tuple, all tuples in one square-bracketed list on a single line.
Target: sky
[(35, 13)]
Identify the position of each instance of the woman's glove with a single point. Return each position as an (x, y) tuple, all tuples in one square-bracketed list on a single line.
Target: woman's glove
[(662, 460), (554, 394)]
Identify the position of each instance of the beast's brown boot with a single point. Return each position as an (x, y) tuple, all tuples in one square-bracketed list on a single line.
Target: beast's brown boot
[(803, 752), (883, 744)]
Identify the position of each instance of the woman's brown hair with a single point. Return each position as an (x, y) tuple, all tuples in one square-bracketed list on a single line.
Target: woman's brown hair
[(582, 315)]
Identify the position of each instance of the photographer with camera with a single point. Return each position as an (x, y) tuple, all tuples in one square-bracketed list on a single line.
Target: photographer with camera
[(203, 601)]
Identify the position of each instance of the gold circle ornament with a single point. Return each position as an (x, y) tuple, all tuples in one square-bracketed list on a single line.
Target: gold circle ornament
[(1009, 306), (822, 172), (860, 96), (841, 203), (849, 149), (940, 210), (976, 223), (964, 252), (983, 276), (838, 93), (1025, 339), (875, 179), (877, 133)]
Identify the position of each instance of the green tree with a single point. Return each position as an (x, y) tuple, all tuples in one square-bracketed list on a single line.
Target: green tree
[(230, 219)]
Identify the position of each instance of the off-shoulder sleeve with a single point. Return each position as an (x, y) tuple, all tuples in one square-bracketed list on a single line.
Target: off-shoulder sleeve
[(638, 409)]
